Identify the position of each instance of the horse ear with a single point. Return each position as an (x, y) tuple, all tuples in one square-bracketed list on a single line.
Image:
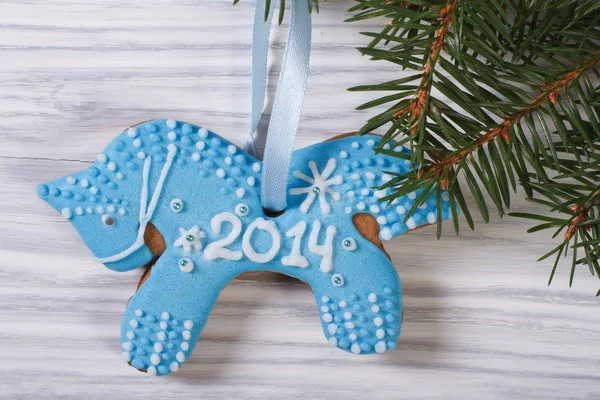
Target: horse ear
[(365, 172)]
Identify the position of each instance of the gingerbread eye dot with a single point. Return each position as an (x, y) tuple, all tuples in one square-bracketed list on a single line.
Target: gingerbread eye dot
[(176, 205), (242, 209), (349, 244), (186, 265), (337, 280), (108, 220)]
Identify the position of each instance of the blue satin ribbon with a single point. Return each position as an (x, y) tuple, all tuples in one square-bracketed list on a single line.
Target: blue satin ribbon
[(289, 97)]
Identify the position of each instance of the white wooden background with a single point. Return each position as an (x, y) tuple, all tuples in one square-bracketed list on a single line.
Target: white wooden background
[(480, 322)]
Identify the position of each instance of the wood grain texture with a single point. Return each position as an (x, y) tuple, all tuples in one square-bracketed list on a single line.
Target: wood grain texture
[(479, 320)]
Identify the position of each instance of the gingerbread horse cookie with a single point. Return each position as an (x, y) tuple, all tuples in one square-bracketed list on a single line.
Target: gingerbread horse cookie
[(202, 194)]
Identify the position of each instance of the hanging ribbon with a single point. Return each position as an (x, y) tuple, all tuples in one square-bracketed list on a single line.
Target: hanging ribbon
[(289, 97)]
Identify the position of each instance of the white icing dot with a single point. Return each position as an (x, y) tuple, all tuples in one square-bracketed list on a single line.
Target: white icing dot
[(325, 299), (251, 181), (111, 208), (431, 218), (355, 176), (347, 315), (445, 196), (333, 340), (165, 315), (180, 357), (71, 180), (343, 304), (378, 321), (386, 146), (200, 145), (381, 220), (364, 192), (400, 210), (256, 167), (79, 211), (127, 346), (386, 178), (158, 347), (137, 143), (188, 324), (99, 209), (102, 158), (121, 211), (412, 195), (386, 234), (240, 193), (141, 155), (186, 335), (184, 346), (94, 190), (352, 336), (174, 367), (375, 308), (379, 194), (203, 133), (161, 336), (228, 160), (324, 309), (130, 335), (171, 123), (349, 325), (360, 205), (422, 206), (155, 359), (355, 348), (125, 356), (380, 347), (67, 213), (355, 145), (411, 224), (370, 175), (84, 183), (371, 142), (327, 317), (196, 156), (89, 210), (348, 210), (133, 323), (151, 370), (132, 132), (231, 149), (111, 166), (220, 172), (380, 333), (119, 176), (374, 209), (343, 154), (372, 297), (332, 328), (172, 135), (163, 325)]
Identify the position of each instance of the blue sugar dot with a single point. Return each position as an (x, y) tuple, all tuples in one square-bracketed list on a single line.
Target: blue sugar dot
[(131, 165), (67, 194), (356, 307), (396, 228), (144, 340), (381, 161), (368, 161), (346, 168), (111, 185), (417, 218), (141, 352), (93, 199), (389, 304), (235, 171), (371, 184), (214, 142), (203, 173), (387, 290), (340, 331), (240, 159), (356, 164), (207, 164), (365, 346), (137, 363), (55, 192), (391, 216), (333, 307), (172, 335), (181, 162), (120, 145), (337, 318), (186, 129), (395, 168), (390, 331), (352, 297), (166, 356), (389, 318), (184, 153), (156, 149), (231, 182), (79, 197), (175, 322), (343, 343), (162, 369), (126, 156), (93, 172), (391, 345), (362, 318), (104, 199), (42, 190), (103, 179), (186, 140), (148, 330), (364, 332), (171, 346), (150, 127), (159, 159), (125, 203), (224, 191), (212, 153), (154, 138), (150, 318)]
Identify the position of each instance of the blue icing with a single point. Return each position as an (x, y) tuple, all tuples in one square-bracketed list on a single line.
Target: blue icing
[(203, 176)]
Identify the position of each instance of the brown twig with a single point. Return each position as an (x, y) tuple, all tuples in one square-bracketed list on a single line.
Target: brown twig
[(583, 213)]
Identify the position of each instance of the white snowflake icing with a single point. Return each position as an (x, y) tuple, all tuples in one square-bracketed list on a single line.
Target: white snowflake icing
[(319, 185), (190, 238)]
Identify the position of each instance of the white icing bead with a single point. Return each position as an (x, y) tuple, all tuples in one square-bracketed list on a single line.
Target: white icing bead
[(130, 335), (155, 359), (141, 155), (176, 205), (374, 209), (355, 348), (171, 123), (375, 308), (380, 347), (370, 175), (102, 158), (242, 209), (348, 210), (386, 234), (186, 335), (380, 333), (352, 336), (94, 190), (349, 325), (355, 176), (269, 227), (217, 248), (256, 167), (347, 315), (133, 323), (163, 325), (137, 143), (411, 224), (378, 321), (172, 135), (196, 156), (343, 304), (174, 367), (132, 132), (231, 149), (295, 258), (71, 180), (188, 324), (333, 340), (364, 192), (240, 193), (126, 356), (67, 213), (400, 210), (327, 317), (111, 166), (165, 315), (184, 346), (332, 328), (386, 178), (324, 309), (228, 160), (360, 206), (161, 336), (180, 357), (372, 297), (151, 370), (412, 195), (445, 196), (158, 347), (325, 250), (79, 211), (381, 220), (343, 154), (121, 211), (89, 210), (371, 142), (422, 206), (84, 183), (119, 176), (127, 346), (200, 145), (431, 218), (203, 133), (325, 299), (111, 208), (355, 145), (220, 172), (379, 194), (251, 181), (99, 209)]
